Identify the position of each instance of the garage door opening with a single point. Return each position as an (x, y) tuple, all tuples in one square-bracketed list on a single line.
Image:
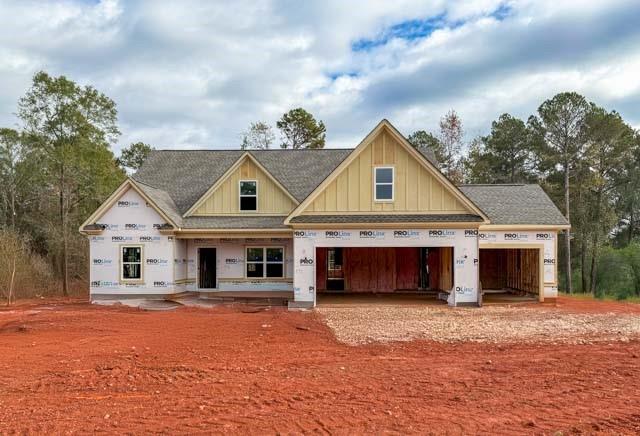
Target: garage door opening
[(384, 270), (511, 274)]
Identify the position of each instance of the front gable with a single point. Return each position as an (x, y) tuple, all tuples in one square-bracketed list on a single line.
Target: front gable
[(418, 186), (128, 197), (223, 198)]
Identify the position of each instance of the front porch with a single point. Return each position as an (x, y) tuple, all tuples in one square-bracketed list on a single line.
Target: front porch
[(251, 268)]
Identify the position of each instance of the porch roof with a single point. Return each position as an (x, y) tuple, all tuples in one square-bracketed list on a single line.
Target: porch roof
[(386, 219), (234, 222)]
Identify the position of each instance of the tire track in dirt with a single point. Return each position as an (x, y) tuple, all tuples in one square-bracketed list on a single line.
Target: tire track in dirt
[(220, 371)]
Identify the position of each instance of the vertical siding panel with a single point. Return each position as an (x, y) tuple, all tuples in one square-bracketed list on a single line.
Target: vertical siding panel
[(332, 196), (366, 188), (389, 149), (378, 152), (354, 187), (343, 192), (401, 158)]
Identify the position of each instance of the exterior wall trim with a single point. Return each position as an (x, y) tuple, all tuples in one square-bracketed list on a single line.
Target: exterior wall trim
[(532, 227), (424, 225)]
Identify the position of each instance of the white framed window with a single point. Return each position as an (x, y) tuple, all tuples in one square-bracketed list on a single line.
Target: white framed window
[(131, 263), (264, 262), (248, 195), (383, 183)]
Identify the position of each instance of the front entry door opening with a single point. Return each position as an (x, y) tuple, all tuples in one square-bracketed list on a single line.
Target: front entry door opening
[(335, 270), (207, 268)]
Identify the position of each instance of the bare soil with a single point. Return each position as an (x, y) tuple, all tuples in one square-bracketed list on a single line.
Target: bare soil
[(77, 368)]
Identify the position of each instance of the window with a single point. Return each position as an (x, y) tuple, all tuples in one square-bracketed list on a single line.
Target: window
[(248, 195), (131, 261), (265, 262), (383, 183)]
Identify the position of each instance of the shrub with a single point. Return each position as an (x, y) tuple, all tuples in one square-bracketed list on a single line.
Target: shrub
[(22, 272)]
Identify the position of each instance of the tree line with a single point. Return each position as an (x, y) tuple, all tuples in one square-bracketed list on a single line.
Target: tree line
[(586, 158), (57, 166)]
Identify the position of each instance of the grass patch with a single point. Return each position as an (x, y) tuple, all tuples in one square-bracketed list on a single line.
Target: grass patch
[(605, 297)]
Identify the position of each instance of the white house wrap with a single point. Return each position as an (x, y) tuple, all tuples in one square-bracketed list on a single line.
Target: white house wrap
[(294, 224)]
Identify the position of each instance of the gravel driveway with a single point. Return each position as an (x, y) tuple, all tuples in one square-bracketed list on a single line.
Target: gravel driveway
[(363, 324)]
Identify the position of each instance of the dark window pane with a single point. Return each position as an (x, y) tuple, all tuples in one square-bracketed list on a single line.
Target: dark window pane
[(275, 270), (131, 254), (255, 270), (274, 254), (384, 192), (254, 254), (131, 271), (248, 188), (248, 203), (384, 175)]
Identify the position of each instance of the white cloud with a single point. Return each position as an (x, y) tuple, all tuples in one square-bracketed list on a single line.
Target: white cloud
[(196, 73)]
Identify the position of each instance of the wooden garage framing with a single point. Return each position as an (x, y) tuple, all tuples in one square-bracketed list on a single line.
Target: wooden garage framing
[(526, 261)]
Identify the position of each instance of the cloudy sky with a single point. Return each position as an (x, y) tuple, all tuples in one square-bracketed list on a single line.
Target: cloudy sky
[(195, 74)]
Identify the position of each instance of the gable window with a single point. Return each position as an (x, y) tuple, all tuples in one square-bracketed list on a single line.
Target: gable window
[(383, 183), (248, 195), (265, 262), (131, 262)]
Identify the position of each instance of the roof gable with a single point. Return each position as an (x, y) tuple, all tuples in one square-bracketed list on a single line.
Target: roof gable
[(223, 197), (187, 175), (419, 186), (162, 207)]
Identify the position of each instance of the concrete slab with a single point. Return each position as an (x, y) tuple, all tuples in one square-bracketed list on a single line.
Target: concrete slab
[(194, 301), (370, 299)]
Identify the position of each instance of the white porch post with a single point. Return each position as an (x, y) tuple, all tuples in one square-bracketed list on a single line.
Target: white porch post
[(304, 269)]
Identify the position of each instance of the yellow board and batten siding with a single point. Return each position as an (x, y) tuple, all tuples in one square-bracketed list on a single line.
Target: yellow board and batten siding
[(226, 198), (415, 189)]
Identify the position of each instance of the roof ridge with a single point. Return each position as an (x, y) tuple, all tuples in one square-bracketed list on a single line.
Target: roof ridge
[(498, 184), (248, 150)]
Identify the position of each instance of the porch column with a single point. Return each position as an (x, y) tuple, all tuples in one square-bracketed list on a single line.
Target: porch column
[(466, 276), (304, 269)]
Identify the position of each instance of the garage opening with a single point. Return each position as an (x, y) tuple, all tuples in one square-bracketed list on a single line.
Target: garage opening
[(510, 273), (384, 270)]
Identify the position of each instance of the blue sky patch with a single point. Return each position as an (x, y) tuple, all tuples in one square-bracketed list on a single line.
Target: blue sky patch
[(409, 30)]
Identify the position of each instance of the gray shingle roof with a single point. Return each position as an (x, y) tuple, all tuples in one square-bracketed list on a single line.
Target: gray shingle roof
[(301, 171), (175, 180), (163, 200), (515, 204), (234, 222), (186, 175), (391, 218)]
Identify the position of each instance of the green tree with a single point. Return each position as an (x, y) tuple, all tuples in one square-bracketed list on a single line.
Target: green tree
[(450, 138), (504, 156), (609, 141), (72, 128), (628, 196), (299, 129), (18, 173), (424, 139), (133, 156), (560, 122), (259, 136)]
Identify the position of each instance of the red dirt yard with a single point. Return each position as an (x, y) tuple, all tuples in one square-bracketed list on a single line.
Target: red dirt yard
[(78, 368)]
